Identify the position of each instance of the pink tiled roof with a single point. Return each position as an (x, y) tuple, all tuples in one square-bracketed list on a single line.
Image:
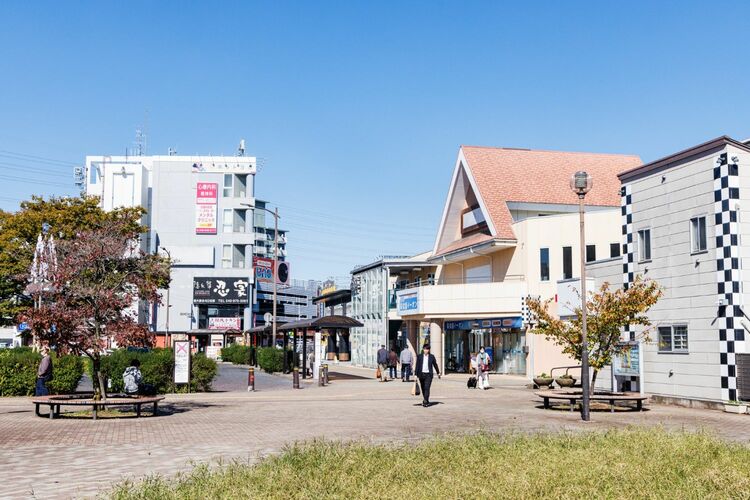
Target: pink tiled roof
[(468, 241), (536, 176)]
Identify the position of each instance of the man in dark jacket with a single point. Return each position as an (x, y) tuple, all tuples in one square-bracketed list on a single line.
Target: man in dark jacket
[(424, 369), (43, 373), (383, 363)]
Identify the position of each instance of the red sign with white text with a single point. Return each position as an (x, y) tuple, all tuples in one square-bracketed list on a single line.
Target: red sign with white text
[(206, 198)]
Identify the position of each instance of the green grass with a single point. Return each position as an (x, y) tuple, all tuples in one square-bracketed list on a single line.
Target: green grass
[(633, 463)]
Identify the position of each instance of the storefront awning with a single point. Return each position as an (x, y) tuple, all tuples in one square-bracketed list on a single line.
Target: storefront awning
[(341, 322)]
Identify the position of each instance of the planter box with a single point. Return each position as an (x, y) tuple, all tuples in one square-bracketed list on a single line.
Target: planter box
[(735, 409)]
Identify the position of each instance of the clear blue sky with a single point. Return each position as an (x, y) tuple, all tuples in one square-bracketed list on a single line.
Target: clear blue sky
[(358, 109)]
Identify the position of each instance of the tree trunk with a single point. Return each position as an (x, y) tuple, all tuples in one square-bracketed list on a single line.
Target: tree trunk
[(100, 388), (593, 382)]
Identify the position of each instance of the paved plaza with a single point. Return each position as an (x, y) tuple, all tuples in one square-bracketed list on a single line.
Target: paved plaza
[(72, 457)]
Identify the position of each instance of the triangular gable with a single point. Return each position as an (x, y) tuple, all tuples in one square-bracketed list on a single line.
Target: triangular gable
[(462, 194)]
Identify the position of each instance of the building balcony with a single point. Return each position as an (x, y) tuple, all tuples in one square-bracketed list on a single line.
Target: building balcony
[(465, 300)]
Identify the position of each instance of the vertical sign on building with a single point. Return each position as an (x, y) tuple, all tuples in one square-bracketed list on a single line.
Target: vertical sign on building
[(182, 362), (206, 197)]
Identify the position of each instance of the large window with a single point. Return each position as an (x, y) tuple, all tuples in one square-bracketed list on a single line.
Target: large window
[(614, 250), (698, 234), (644, 245), (228, 184), (544, 264), (227, 220), (673, 338), (590, 253), (567, 263), (226, 256)]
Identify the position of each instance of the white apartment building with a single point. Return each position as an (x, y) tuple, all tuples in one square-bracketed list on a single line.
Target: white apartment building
[(198, 214), (686, 224), (509, 230)]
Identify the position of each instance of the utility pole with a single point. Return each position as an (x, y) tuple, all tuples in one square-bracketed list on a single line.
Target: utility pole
[(167, 343), (275, 268)]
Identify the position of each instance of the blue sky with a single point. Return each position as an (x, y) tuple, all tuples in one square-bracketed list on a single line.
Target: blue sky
[(357, 109)]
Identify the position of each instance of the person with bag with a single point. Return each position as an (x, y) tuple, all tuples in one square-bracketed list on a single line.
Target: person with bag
[(382, 364), (483, 364), (425, 369), (43, 373)]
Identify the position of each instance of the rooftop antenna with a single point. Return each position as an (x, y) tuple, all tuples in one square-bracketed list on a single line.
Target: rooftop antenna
[(172, 152), (139, 142), (241, 148)]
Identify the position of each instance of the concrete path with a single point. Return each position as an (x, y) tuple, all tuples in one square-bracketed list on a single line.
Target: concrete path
[(76, 457)]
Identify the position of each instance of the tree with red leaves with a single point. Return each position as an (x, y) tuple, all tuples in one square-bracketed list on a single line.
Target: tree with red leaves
[(100, 279)]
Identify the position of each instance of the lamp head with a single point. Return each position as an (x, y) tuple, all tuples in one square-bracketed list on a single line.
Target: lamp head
[(581, 183)]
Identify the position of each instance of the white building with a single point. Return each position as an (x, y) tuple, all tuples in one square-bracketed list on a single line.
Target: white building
[(686, 224)]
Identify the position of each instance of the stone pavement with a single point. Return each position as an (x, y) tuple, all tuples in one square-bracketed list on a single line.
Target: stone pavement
[(77, 457)]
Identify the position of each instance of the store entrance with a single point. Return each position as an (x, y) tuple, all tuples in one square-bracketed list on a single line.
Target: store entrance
[(504, 345)]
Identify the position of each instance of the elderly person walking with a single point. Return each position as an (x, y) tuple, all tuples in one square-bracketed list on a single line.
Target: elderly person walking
[(43, 373), (406, 361)]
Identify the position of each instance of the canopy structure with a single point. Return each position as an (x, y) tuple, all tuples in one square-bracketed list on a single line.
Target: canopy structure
[(326, 322)]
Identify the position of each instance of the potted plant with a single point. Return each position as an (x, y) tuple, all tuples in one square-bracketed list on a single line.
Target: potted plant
[(565, 380), (735, 407), (543, 381)]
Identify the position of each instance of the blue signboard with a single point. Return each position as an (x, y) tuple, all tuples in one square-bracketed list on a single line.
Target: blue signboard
[(408, 303), (23, 326), (470, 324)]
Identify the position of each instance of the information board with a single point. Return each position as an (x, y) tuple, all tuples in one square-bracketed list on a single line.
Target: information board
[(182, 362)]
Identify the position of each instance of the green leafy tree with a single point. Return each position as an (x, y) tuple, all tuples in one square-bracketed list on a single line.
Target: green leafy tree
[(19, 230), (608, 312)]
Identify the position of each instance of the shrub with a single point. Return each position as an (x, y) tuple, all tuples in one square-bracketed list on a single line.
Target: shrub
[(271, 359), (18, 368), (238, 354), (157, 367)]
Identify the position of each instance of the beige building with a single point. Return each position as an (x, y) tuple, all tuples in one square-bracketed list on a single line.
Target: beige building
[(509, 230)]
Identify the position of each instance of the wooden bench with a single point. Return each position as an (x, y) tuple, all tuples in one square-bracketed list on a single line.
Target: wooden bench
[(574, 397), (55, 402)]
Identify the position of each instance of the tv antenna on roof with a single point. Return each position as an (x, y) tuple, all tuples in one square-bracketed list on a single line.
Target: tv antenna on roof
[(241, 148)]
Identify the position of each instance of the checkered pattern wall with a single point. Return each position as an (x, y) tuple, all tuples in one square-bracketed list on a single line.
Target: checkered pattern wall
[(731, 333), (628, 243), (528, 317)]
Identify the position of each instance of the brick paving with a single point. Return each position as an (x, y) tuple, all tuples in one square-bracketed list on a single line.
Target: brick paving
[(70, 457)]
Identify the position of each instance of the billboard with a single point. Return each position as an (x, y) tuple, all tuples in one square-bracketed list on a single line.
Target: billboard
[(221, 291), (264, 271), (224, 323), (206, 198), (182, 362)]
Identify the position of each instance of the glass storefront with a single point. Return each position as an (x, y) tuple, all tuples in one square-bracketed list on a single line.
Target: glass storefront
[(505, 345)]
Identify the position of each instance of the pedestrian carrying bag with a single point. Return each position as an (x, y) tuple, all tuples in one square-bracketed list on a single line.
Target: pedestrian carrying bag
[(415, 389), (378, 373)]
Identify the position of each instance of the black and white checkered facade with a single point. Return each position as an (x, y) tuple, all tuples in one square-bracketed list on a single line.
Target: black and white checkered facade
[(731, 332), (628, 243), (527, 316)]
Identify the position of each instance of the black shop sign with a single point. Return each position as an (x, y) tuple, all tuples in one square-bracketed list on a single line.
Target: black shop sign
[(221, 291)]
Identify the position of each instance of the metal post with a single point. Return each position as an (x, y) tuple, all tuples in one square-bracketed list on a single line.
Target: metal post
[(275, 267), (251, 379), (295, 378), (167, 342), (584, 341)]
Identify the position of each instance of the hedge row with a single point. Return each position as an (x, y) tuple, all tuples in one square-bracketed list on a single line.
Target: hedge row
[(238, 354), (18, 368), (157, 368), (271, 359)]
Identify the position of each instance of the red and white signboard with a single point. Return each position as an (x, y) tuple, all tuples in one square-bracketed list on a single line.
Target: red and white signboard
[(263, 270), (224, 323), (206, 198)]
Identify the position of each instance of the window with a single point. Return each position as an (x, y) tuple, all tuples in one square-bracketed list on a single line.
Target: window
[(228, 183), (567, 263), (590, 253), (544, 264), (698, 234), (226, 256), (227, 221), (431, 278), (673, 338), (644, 245), (614, 250)]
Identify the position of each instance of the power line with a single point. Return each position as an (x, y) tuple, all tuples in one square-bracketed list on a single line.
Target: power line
[(28, 157), (26, 168), (338, 217)]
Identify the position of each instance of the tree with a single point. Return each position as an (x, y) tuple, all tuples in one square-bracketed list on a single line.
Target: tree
[(19, 232), (100, 278), (608, 312)]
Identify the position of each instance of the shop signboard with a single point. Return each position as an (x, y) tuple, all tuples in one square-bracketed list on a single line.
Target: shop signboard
[(627, 363), (224, 323), (206, 198), (221, 291), (408, 302), (263, 270), (470, 324), (182, 362)]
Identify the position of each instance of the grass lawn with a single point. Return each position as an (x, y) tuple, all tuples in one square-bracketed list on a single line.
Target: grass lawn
[(640, 463)]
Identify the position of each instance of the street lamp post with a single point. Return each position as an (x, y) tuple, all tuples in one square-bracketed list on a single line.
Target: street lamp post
[(581, 184), (166, 325), (275, 214)]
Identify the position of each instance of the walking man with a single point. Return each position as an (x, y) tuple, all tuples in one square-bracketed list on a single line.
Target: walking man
[(43, 373), (425, 368), (383, 363), (392, 364), (406, 361)]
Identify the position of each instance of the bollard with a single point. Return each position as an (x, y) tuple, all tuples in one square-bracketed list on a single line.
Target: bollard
[(320, 375), (325, 374), (251, 379), (295, 378)]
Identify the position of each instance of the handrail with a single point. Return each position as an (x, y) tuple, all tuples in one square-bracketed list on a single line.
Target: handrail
[(459, 281), (566, 368)]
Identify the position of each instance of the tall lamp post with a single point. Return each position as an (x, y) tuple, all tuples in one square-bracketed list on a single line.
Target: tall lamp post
[(167, 343), (275, 214), (581, 184)]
